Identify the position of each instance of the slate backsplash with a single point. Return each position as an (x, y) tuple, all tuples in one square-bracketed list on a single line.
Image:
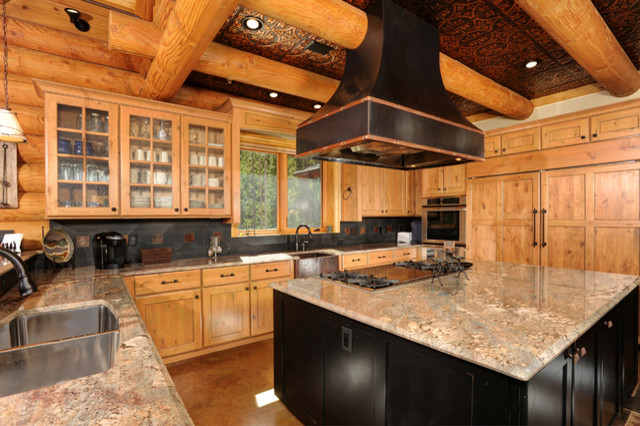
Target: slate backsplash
[(176, 233)]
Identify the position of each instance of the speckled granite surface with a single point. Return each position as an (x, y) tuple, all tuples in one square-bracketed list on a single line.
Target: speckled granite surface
[(513, 319), (136, 390)]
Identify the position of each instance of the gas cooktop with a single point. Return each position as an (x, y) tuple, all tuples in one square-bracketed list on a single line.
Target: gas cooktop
[(379, 277)]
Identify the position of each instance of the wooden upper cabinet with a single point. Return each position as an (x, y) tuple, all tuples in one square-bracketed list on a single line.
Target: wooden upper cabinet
[(413, 192), (350, 193), (492, 146), (569, 132), (372, 191), (449, 180), (394, 192), (150, 158), (205, 171), (521, 141), (82, 157), (615, 124)]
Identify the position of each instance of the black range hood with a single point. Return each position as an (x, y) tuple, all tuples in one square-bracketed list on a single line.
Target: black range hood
[(391, 108)]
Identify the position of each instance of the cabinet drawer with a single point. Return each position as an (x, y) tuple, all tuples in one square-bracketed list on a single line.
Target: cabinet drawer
[(402, 255), (380, 257), (356, 260), (265, 271), (160, 283), (228, 275)]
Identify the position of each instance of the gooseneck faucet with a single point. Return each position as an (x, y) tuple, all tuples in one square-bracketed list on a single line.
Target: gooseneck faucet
[(25, 283), (305, 242)]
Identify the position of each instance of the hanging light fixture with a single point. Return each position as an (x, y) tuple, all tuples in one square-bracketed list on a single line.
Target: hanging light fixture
[(10, 130)]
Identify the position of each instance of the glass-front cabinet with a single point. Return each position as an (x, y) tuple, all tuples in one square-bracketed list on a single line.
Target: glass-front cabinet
[(205, 160), (150, 151), (82, 160)]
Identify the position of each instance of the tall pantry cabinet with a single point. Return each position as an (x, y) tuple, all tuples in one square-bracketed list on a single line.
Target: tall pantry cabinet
[(579, 218)]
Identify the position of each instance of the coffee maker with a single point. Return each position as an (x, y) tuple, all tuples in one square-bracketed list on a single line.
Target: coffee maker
[(109, 250)]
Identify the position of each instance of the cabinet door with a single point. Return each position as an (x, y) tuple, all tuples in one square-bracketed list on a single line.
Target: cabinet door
[(150, 154), (372, 179), (351, 193), (521, 141), (492, 146), (394, 192), (566, 133), (82, 159), (173, 320), (261, 307), (205, 168), (454, 180), (227, 313), (354, 375), (610, 357), (414, 193), (616, 124), (432, 182), (549, 393), (483, 204), (585, 373)]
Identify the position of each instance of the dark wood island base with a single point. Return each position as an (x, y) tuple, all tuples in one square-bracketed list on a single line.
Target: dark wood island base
[(330, 369)]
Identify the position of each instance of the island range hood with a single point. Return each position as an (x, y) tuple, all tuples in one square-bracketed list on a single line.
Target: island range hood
[(391, 108)]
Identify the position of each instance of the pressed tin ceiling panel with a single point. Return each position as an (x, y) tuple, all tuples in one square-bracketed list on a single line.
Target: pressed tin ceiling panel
[(494, 37)]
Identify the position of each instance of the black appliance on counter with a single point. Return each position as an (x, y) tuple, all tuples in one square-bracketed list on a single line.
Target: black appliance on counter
[(109, 250)]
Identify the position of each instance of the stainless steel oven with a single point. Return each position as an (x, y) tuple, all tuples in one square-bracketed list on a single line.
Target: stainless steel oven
[(444, 219)]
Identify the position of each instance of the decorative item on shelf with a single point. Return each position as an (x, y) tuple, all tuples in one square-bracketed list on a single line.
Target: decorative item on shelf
[(10, 134), (156, 255), (214, 247), (13, 242), (58, 246)]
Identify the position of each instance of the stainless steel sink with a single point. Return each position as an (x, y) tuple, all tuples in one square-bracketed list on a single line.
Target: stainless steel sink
[(314, 263), (45, 348)]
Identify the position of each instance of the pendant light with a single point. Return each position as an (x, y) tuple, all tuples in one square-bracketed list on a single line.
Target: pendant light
[(10, 130)]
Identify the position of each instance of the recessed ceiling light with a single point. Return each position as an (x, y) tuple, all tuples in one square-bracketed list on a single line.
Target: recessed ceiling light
[(531, 64), (458, 159), (273, 94), (317, 106), (252, 23)]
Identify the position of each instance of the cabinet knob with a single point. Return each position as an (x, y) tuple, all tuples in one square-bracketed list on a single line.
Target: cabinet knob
[(186, 209), (608, 324), (197, 296), (504, 149), (255, 287), (496, 151), (113, 209), (176, 210), (246, 289), (595, 135), (583, 137)]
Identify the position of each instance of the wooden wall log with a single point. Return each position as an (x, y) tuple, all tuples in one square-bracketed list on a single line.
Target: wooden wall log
[(31, 177), (189, 31), (588, 40), (22, 91), (33, 151), (31, 207), (332, 20), (32, 231), (31, 118), (46, 39)]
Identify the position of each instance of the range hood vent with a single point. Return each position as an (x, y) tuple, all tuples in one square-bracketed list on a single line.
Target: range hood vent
[(391, 108)]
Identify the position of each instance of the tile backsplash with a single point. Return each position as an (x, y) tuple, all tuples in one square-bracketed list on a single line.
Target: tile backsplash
[(189, 238)]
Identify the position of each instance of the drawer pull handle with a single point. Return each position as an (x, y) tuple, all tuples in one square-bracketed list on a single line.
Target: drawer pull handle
[(228, 275), (271, 270), (356, 260), (169, 282), (382, 257), (609, 324)]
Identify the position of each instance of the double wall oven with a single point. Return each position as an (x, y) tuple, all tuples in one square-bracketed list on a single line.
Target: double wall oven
[(444, 219)]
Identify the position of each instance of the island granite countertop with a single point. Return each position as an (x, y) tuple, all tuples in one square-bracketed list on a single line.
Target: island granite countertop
[(137, 389), (513, 319)]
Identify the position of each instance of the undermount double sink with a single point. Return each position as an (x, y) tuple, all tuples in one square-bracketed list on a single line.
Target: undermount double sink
[(44, 348), (310, 263)]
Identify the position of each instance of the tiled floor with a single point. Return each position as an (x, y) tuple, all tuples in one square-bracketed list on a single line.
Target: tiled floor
[(220, 388)]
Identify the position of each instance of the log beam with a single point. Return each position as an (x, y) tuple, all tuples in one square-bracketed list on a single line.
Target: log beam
[(588, 40), (140, 38), (189, 31)]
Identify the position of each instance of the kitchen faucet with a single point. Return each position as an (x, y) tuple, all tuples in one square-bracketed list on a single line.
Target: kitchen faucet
[(305, 242), (25, 283)]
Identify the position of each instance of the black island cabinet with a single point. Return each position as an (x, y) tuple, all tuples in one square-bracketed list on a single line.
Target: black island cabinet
[(330, 369)]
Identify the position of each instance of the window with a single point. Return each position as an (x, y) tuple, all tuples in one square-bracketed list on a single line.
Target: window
[(278, 192)]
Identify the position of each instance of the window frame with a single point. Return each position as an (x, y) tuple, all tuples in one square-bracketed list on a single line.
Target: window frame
[(282, 199)]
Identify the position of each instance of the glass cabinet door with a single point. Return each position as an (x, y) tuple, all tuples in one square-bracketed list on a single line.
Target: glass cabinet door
[(204, 167), (82, 172), (150, 158)]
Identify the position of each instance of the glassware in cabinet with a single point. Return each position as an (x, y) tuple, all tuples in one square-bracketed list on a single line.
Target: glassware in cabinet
[(149, 148), (205, 175), (81, 175)]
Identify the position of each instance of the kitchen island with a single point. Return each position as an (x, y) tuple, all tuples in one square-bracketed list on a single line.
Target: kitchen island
[(512, 344)]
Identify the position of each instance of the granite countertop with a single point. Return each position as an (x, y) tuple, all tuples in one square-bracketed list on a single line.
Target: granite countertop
[(513, 319), (137, 389)]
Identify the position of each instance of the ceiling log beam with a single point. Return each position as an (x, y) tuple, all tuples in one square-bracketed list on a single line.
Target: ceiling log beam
[(188, 33), (588, 40), (457, 77)]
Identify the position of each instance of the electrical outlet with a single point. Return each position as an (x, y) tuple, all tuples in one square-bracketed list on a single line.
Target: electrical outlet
[(189, 237), (82, 241), (133, 239)]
